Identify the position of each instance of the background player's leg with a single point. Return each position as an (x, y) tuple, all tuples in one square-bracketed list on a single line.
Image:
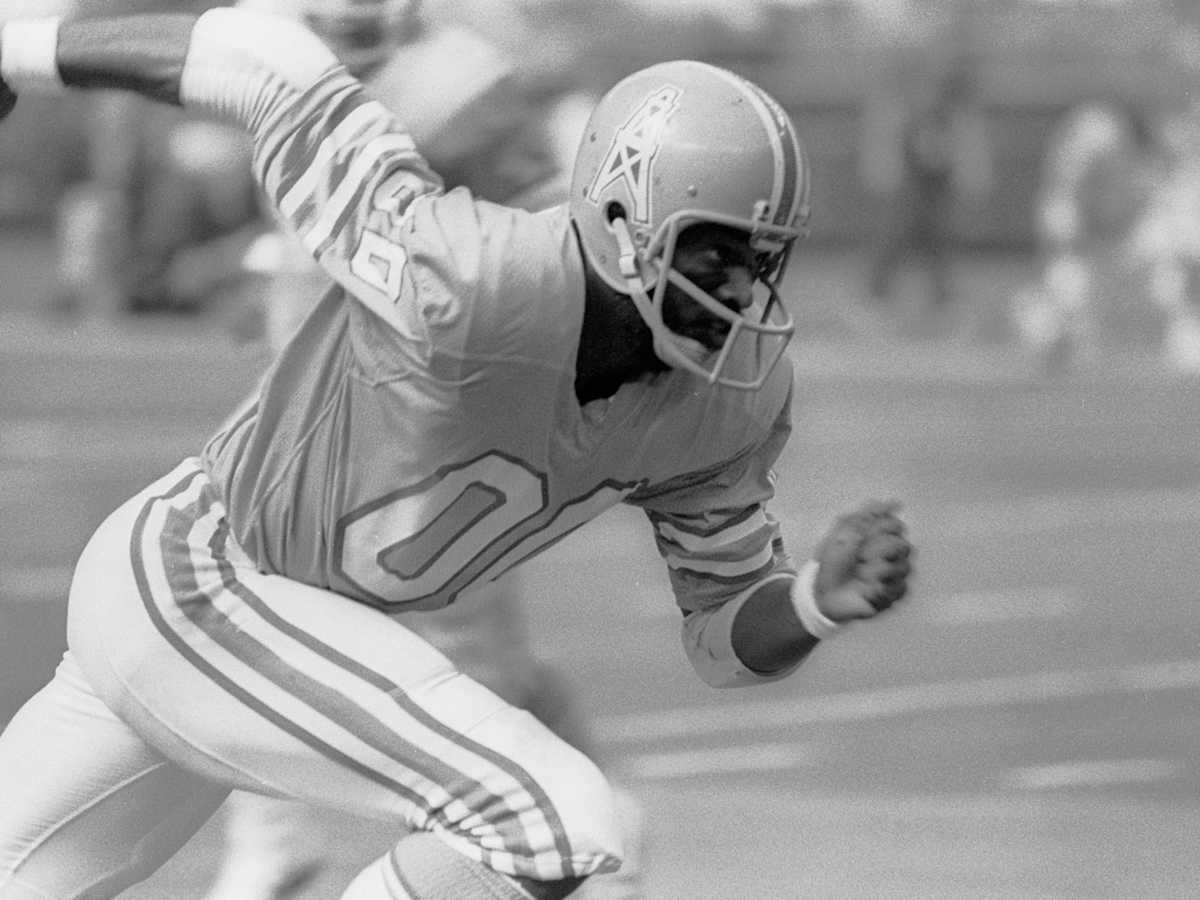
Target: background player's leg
[(88, 808)]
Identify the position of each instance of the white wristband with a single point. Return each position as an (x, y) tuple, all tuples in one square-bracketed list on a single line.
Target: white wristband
[(29, 56), (814, 621)]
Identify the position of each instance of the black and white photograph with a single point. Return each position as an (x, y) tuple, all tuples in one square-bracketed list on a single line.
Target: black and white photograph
[(605, 449)]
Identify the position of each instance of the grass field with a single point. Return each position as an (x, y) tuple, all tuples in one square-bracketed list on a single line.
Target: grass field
[(1025, 726)]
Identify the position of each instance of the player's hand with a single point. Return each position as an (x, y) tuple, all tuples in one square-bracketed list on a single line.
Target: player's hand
[(864, 563)]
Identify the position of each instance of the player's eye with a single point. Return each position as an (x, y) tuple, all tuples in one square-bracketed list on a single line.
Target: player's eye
[(737, 255)]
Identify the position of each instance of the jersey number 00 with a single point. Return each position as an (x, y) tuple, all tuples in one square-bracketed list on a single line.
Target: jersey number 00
[(461, 525)]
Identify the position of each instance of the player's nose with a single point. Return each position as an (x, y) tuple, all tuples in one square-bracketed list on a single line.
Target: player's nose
[(738, 290)]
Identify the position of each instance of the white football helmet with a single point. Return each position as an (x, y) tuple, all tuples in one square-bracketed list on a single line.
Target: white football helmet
[(678, 144)]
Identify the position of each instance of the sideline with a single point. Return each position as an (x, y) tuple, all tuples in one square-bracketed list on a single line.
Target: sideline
[(907, 700)]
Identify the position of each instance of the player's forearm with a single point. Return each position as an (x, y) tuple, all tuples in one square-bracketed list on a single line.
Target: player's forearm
[(766, 633), (145, 54), (224, 61), (762, 635)]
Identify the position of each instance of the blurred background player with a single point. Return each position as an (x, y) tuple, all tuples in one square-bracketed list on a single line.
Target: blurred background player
[(925, 148), (1166, 242), (481, 125), (1101, 165)]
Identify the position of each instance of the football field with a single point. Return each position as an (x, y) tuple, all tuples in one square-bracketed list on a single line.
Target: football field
[(1025, 726)]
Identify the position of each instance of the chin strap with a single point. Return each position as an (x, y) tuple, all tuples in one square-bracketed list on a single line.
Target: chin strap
[(627, 263), (667, 349)]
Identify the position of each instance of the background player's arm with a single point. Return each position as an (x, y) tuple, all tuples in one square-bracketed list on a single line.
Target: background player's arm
[(336, 165)]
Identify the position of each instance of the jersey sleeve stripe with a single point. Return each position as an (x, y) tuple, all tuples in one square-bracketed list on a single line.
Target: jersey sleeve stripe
[(725, 568), (351, 186), (358, 120), (714, 540)]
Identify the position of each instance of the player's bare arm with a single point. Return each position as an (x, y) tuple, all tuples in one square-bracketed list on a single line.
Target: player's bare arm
[(859, 569), (145, 54), (225, 62)]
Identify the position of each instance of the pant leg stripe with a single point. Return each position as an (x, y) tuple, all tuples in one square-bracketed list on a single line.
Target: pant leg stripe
[(318, 696), (526, 818), (538, 814), (532, 806), (330, 692), (214, 674), (195, 605)]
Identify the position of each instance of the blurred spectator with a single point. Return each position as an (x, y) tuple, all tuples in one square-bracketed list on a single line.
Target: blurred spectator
[(924, 150), (1101, 166)]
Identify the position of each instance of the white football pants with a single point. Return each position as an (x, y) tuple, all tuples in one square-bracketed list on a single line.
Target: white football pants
[(190, 672)]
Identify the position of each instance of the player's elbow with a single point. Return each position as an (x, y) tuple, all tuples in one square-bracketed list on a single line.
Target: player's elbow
[(727, 670), (719, 676), (733, 673), (723, 657)]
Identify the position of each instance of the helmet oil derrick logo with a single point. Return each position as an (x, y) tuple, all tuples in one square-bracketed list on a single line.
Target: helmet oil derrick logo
[(631, 154)]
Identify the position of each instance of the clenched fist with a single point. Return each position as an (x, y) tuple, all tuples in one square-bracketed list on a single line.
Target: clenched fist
[(864, 562)]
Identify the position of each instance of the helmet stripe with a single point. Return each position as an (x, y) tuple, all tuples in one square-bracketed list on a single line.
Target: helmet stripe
[(795, 167), (790, 165)]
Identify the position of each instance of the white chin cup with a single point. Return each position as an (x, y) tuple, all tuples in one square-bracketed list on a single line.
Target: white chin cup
[(691, 349)]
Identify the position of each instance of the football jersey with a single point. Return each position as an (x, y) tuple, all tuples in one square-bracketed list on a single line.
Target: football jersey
[(421, 432)]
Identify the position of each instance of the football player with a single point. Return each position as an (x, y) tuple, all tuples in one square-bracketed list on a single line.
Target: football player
[(442, 80), (479, 381), (1166, 242)]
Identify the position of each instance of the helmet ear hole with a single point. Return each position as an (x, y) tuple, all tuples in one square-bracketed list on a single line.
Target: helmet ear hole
[(614, 211)]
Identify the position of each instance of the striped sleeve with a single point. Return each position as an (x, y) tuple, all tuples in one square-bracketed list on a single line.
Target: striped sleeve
[(712, 527), (714, 569), (716, 556), (340, 170), (720, 543), (343, 174)]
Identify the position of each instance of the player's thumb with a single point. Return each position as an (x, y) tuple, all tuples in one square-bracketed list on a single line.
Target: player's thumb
[(846, 602), (837, 558)]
